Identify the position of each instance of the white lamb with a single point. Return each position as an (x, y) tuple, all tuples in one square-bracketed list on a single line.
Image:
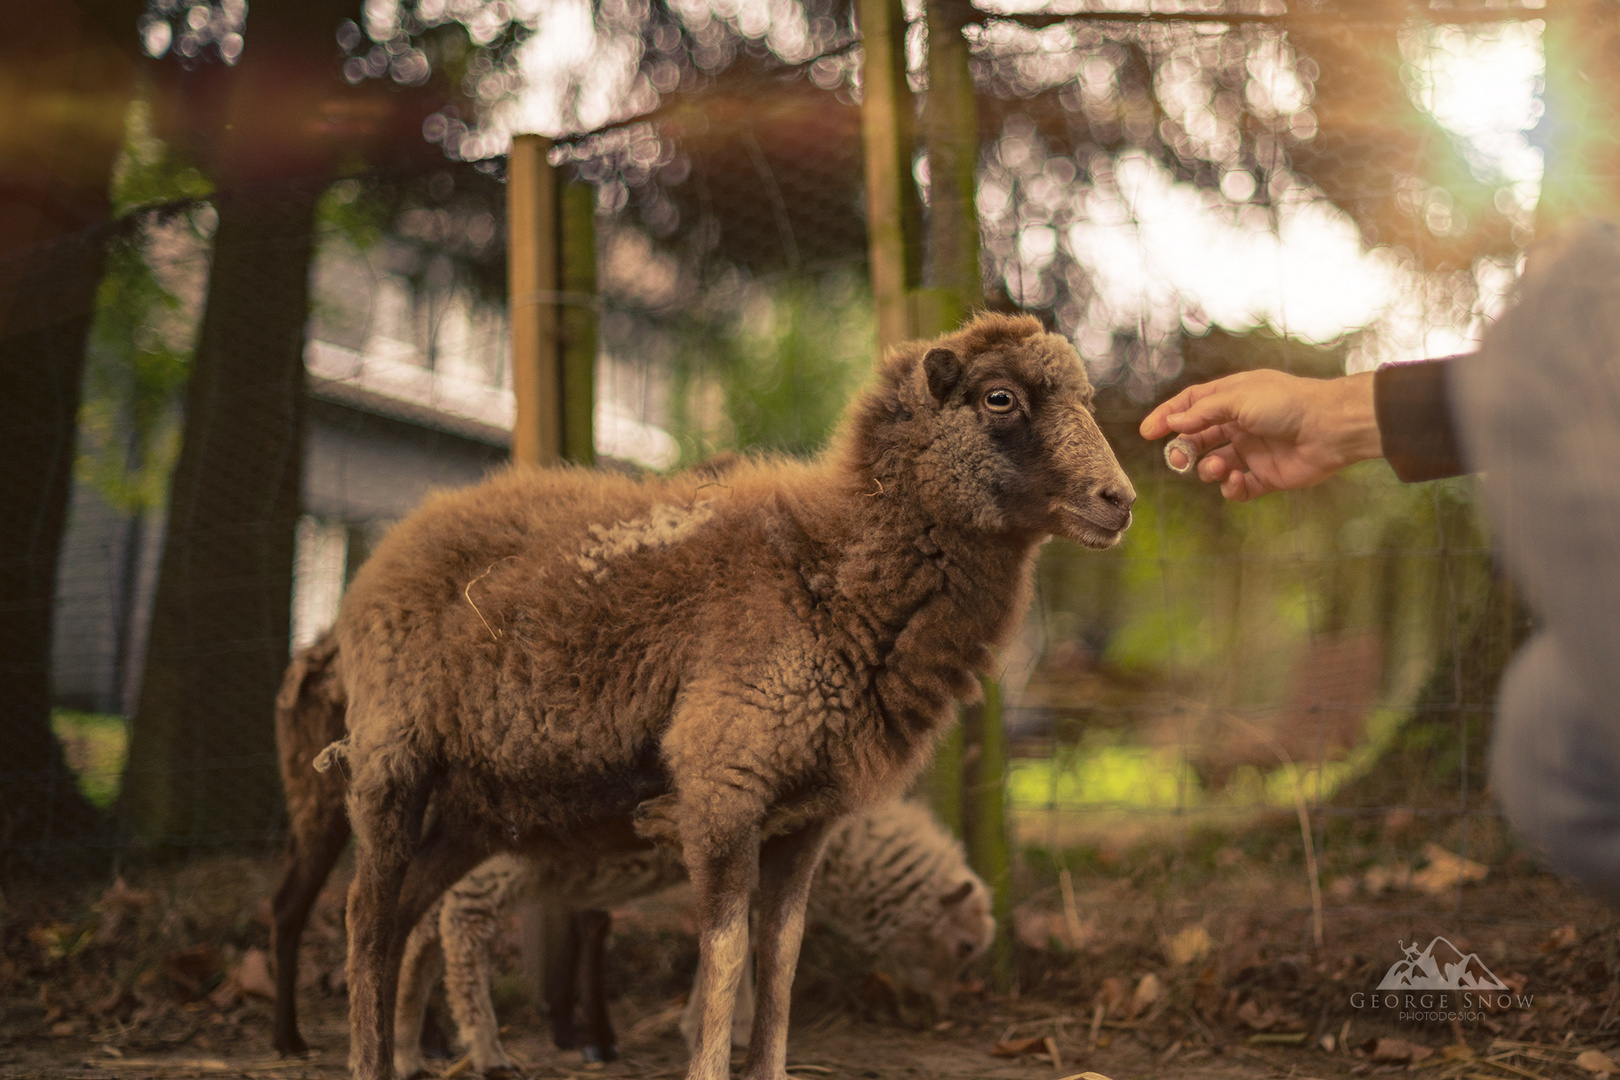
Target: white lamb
[(894, 883)]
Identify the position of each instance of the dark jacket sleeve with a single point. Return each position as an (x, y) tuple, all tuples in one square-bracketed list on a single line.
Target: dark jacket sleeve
[(1415, 420)]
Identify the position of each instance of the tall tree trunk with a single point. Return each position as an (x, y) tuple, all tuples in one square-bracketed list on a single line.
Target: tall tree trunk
[(202, 766), (67, 84)]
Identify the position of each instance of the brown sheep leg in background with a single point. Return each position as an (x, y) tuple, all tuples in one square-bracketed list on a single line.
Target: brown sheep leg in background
[(312, 854), (562, 976), (599, 1044), (723, 866), (786, 866)]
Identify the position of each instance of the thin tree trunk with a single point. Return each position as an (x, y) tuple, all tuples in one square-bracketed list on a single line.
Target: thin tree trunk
[(202, 767), (67, 87)]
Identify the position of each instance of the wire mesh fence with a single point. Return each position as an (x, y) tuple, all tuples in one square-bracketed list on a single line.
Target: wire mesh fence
[(1277, 710)]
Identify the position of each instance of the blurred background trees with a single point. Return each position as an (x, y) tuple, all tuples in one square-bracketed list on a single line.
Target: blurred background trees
[(67, 72), (1184, 195)]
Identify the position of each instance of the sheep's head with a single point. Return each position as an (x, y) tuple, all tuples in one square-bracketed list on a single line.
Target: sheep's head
[(992, 426), (925, 959)]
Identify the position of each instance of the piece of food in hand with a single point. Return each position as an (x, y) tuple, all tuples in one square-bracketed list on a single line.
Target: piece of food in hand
[(1181, 447)]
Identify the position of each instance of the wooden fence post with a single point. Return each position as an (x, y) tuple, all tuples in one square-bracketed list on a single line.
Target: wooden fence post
[(532, 242), (967, 783), (893, 210), (579, 340), (551, 291), (951, 130)]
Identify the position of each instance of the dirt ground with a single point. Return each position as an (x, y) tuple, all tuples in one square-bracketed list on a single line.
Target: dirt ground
[(1143, 963)]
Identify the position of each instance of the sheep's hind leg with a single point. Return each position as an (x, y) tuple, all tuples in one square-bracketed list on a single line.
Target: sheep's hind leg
[(397, 877), (786, 866), (723, 867), (387, 818), (313, 853)]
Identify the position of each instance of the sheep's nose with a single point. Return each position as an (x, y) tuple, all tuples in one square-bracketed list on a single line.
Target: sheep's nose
[(1120, 496)]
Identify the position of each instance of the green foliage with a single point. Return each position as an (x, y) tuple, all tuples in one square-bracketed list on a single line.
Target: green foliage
[(139, 355), (777, 376), (147, 173), (95, 745), (353, 212)]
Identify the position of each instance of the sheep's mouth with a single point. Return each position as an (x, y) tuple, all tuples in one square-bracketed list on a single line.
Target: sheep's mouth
[(1084, 529)]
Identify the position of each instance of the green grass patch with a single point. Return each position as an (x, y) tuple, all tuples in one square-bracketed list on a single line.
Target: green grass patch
[(1105, 771), (96, 746)]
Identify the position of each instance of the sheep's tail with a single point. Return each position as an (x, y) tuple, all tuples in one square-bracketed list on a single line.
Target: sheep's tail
[(332, 755)]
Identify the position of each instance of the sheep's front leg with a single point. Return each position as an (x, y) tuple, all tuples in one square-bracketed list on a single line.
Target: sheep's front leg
[(468, 926), (723, 866), (786, 866)]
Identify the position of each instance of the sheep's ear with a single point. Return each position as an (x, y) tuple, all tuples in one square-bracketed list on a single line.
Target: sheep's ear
[(958, 894), (943, 370)]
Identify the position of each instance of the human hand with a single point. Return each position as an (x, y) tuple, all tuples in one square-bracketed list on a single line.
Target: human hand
[(1263, 431)]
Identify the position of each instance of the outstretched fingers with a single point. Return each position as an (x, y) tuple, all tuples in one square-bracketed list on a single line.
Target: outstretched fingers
[(1193, 410)]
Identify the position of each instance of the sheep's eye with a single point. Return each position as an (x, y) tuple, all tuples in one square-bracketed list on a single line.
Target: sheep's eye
[(1000, 400)]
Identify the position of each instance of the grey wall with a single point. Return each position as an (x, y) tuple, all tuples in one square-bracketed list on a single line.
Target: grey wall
[(361, 467)]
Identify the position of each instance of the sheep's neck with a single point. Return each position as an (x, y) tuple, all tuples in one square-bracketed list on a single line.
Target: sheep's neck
[(924, 602)]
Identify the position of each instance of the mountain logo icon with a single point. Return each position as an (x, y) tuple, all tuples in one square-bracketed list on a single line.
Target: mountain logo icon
[(1442, 966)]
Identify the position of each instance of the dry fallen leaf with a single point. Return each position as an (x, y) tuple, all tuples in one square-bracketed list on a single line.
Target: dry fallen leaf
[(1149, 990), (1446, 871), (252, 974), (1113, 996), (1011, 1048), (1562, 938), (1037, 930), (1251, 1015), (1188, 946), (1397, 1050), (191, 969), (1380, 879), (1596, 1061)]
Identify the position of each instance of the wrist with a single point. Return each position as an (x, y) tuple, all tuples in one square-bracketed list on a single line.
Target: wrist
[(1354, 419)]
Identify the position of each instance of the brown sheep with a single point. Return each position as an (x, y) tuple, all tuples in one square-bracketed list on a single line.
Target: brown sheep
[(540, 655), (309, 717), (310, 708)]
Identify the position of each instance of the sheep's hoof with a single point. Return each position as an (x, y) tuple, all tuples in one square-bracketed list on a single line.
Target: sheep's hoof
[(599, 1055), (292, 1045)]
